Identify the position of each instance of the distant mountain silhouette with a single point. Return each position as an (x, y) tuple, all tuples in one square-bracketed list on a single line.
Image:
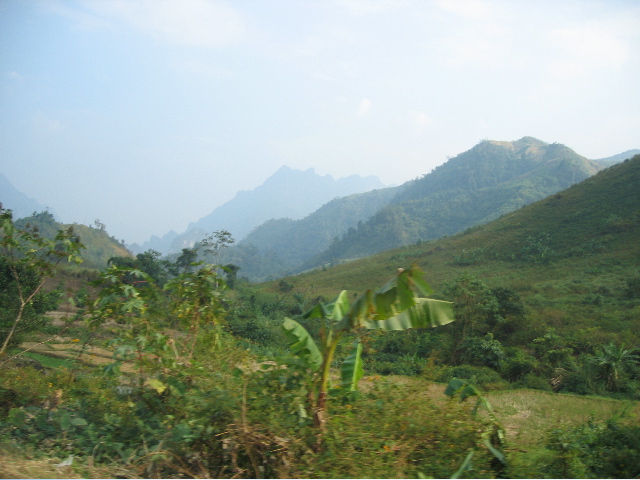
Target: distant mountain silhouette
[(13, 199), (608, 161), (288, 193)]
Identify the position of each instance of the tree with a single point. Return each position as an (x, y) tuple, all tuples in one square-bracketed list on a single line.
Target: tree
[(477, 310), (27, 258), (614, 362), (395, 306), (231, 272), (188, 256), (216, 242)]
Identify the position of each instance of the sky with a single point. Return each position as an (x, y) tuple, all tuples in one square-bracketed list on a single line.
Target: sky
[(148, 114)]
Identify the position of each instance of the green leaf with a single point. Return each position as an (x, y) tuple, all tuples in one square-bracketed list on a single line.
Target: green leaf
[(157, 385), (496, 453), (352, 370), (425, 313), (318, 311), (302, 344), (462, 387), (466, 465), (79, 421), (340, 306)]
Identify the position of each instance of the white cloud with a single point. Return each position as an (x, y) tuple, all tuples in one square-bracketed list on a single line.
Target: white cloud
[(474, 48), (479, 34), (203, 69), (363, 107), (201, 23), (14, 76), (420, 120)]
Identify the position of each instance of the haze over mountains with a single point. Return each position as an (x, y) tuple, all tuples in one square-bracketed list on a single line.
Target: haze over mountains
[(477, 186), (21, 204), (298, 220), (287, 193)]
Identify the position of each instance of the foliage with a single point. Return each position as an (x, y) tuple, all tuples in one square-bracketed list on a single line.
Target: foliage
[(27, 259), (595, 450), (483, 377), (493, 437), (98, 246), (395, 306), (614, 362)]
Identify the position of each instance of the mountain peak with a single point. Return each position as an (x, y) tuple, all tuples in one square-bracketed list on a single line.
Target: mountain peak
[(288, 193)]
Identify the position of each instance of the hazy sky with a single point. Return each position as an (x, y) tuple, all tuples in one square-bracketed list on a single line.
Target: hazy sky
[(147, 114)]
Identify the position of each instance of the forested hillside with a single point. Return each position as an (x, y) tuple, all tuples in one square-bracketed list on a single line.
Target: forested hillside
[(546, 296), (99, 246), (477, 186), (594, 222), (295, 241)]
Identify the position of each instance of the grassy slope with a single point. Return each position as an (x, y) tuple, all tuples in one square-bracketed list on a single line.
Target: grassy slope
[(592, 230), (100, 247)]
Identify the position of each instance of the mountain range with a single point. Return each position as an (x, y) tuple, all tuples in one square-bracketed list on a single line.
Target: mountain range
[(288, 193), (18, 202), (298, 220), (489, 180), (566, 252)]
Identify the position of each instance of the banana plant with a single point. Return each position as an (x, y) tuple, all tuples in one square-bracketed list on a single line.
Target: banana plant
[(493, 437), (399, 305)]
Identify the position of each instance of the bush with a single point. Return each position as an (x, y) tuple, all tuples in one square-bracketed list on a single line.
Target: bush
[(535, 382), (518, 364), (408, 365), (595, 450), (483, 377), (482, 351)]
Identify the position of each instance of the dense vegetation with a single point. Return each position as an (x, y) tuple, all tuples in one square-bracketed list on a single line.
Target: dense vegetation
[(206, 382), (479, 185), (99, 245), (541, 293)]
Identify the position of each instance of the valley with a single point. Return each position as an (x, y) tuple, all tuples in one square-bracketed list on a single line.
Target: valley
[(186, 369)]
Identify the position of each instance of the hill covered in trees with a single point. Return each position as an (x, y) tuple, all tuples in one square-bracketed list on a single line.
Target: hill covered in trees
[(477, 186), (545, 296), (99, 246)]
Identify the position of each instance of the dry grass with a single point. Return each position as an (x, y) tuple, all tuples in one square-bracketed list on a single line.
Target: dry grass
[(528, 416), (14, 464)]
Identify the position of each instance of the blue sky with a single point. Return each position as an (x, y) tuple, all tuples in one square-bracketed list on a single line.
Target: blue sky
[(147, 114)]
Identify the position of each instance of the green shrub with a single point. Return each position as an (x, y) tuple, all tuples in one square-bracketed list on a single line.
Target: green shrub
[(482, 377), (517, 364), (534, 382), (482, 351), (595, 450), (408, 365)]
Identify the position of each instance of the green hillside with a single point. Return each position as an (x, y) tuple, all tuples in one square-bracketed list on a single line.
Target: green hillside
[(195, 380), (477, 186), (594, 222), (561, 275), (295, 241), (99, 245)]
